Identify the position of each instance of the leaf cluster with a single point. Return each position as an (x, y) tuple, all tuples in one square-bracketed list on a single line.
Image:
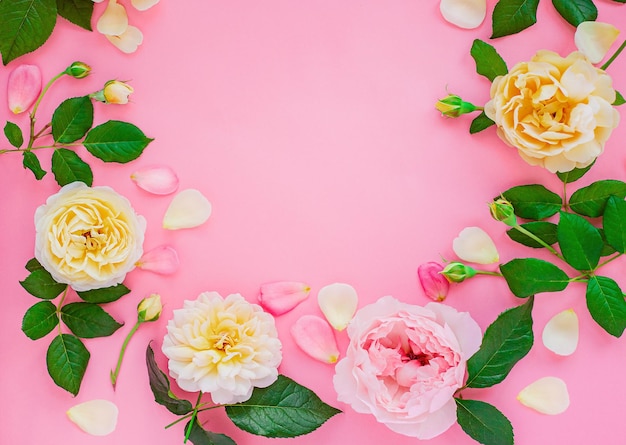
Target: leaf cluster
[(283, 409), (67, 357)]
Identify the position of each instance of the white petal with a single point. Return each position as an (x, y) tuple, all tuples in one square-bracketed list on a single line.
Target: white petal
[(188, 209), (96, 417), (142, 5), (560, 334), (113, 20), (594, 39), (474, 245), (548, 395), (128, 41), (338, 303), (466, 14)]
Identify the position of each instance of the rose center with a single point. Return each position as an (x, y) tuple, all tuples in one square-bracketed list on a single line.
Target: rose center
[(223, 341), (422, 358), (92, 241)]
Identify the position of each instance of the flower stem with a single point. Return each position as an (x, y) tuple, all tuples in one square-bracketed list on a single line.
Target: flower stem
[(487, 272), (194, 415), (115, 374), (614, 56), (539, 240), (33, 119)]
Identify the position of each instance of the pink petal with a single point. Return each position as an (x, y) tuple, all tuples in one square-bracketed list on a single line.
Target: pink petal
[(434, 284), (160, 180), (282, 296), (162, 260), (315, 337), (23, 87)]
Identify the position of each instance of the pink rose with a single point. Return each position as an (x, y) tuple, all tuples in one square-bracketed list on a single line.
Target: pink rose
[(404, 364)]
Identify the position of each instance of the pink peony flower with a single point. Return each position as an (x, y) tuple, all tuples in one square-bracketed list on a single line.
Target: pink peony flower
[(404, 364)]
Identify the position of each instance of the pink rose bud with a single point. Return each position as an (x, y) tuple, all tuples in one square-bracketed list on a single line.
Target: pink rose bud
[(162, 260), (315, 337), (23, 87), (282, 296), (160, 180), (434, 284)]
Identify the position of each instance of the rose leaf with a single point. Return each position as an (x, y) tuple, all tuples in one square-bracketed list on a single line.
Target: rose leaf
[(78, 12), (545, 231), (529, 276), (116, 141), (72, 119), (606, 304), (480, 123), (105, 294), (68, 167), (533, 201), (40, 284), (512, 16), (488, 62), (88, 320), (199, 436), (31, 162), (160, 386), (483, 422), (614, 223), (67, 360), (575, 174), (591, 200), (14, 134), (580, 242), (39, 320), (576, 11)]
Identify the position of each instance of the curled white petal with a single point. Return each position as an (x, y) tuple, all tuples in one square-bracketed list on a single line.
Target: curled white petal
[(113, 20), (338, 303), (548, 395), (594, 39), (142, 5), (560, 335), (96, 417), (128, 41), (468, 14), (474, 245), (188, 209)]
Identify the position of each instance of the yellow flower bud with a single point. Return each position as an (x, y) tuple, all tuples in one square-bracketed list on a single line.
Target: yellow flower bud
[(454, 106), (149, 309), (502, 210)]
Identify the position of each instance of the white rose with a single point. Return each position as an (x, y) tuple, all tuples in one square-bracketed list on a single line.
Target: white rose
[(89, 238)]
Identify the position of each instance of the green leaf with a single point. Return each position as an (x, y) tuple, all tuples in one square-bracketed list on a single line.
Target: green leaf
[(40, 284), (33, 265), (529, 276), (25, 25), (39, 320), (116, 141), (546, 231), (68, 167), (580, 242), (533, 201), (506, 341), (606, 304), (14, 134), (591, 200), (607, 249), (105, 294), (88, 320), (283, 409), (614, 223), (576, 11), (483, 422), (488, 62), (31, 162), (575, 174), (480, 123), (160, 386), (619, 99), (78, 12), (67, 360), (199, 436), (72, 119), (512, 16)]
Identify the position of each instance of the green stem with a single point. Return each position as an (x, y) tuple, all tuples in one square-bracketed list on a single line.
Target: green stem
[(539, 240), (115, 374), (565, 202), (608, 260), (33, 113), (614, 56), (194, 415), (186, 416), (487, 272), (60, 305)]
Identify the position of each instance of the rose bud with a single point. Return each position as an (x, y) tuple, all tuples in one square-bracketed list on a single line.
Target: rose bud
[(78, 70), (23, 87), (454, 106), (149, 309), (315, 337), (282, 296), (457, 272), (502, 210), (434, 284)]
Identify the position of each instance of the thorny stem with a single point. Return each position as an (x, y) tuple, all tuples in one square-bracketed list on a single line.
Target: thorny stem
[(614, 56)]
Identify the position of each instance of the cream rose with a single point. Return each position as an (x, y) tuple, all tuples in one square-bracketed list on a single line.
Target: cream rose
[(87, 237), (556, 111), (222, 346)]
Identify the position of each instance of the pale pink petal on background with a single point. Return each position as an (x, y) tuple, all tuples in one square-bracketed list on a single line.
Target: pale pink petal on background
[(162, 260), (23, 87), (142, 5), (467, 14), (338, 303), (316, 338), (160, 180), (548, 395), (560, 335), (128, 41), (594, 39), (96, 417), (113, 20), (434, 284), (279, 297), (189, 208), (475, 246)]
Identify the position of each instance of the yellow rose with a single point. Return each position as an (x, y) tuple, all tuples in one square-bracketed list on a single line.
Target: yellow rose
[(88, 238), (556, 111)]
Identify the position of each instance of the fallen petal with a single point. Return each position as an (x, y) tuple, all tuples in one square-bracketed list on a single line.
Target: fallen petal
[(594, 39), (142, 5), (338, 303), (475, 246), (560, 335), (315, 337), (160, 180), (23, 87), (282, 296), (162, 260), (548, 395), (128, 41), (434, 284), (467, 14), (96, 417), (113, 20), (189, 208)]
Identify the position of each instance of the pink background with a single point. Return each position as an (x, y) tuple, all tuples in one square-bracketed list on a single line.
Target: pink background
[(310, 127)]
